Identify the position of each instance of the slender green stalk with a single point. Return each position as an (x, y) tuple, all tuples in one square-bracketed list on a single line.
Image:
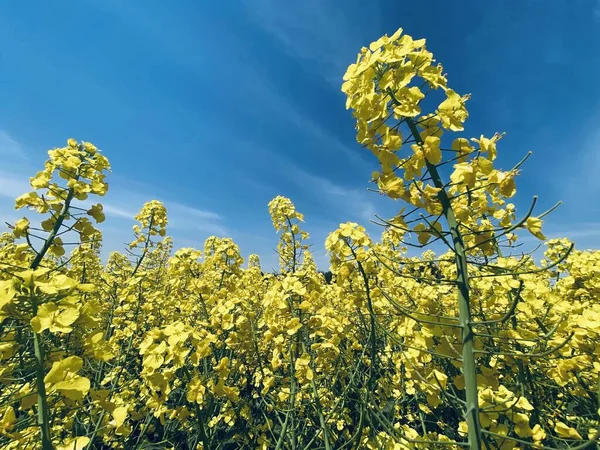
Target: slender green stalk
[(464, 306), (290, 411), (43, 414)]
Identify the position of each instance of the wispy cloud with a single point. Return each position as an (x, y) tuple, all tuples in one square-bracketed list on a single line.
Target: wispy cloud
[(114, 211), (352, 201), (182, 217), (9, 147), (577, 176), (123, 203), (325, 139), (575, 179), (585, 236), (11, 186), (14, 185), (582, 230), (334, 198), (324, 33)]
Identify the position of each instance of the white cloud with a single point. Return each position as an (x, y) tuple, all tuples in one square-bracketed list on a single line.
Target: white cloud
[(114, 211), (9, 147), (347, 203), (12, 186), (183, 217), (326, 140), (585, 235), (324, 33), (352, 201), (576, 178)]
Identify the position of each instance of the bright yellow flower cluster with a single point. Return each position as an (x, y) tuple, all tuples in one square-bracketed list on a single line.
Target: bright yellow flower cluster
[(72, 172), (385, 89), (152, 222), (286, 221)]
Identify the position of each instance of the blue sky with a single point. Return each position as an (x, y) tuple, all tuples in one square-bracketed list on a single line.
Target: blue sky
[(216, 107)]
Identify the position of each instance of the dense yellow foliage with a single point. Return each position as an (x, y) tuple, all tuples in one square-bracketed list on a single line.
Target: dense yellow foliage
[(189, 349)]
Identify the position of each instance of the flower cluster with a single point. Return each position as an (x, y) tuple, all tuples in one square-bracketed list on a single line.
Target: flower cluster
[(385, 89)]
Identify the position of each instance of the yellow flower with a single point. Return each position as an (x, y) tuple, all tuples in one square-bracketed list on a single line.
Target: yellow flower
[(507, 186), (431, 149), (385, 40), (196, 391), (434, 76), (538, 433), (8, 420), (463, 174), (293, 325), (521, 422), (118, 421), (409, 99), (41, 180), (57, 248), (392, 140), (63, 378), (422, 234), (222, 369), (487, 145), (452, 111), (54, 318), (78, 443), (21, 227), (48, 224), (7, 293), (534, 225), (523, 403), (96, 211), (392, 185), (462, 147), (566, 431), (97, 347), (302, 368)]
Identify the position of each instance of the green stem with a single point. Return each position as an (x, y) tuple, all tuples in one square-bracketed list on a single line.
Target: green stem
[(464, 307), (42, 401), (290, 411), (59, 221), (43, 414)]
